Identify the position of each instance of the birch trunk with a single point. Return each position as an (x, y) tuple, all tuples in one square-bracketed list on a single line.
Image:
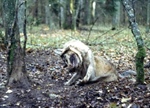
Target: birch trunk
[(140, 44), (93, 11)]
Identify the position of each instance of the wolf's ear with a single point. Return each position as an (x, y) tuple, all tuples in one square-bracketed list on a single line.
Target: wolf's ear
[(63, 51), (74, 60)]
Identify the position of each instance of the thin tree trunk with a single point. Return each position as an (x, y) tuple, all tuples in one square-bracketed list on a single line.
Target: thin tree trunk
[(93, 11), (148, 17), (88, 13), (48, 17), (116, 16), (36, 12), (62, 12), (74, 7), (47, 14), (42, 10), (140, 44), (65, 15), (73, 14)]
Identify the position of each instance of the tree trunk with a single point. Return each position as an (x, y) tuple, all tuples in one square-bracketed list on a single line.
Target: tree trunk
[(140, 44), (65, 18), (67, 15), (74, 8), (73, 14), (8, 16), (62, 13), (48, 13), (69, 12), (21, 16), (81, 13), (116, 15), (1, 25), (36, 12), (87, 12), (148, 17), (42, 10), (93, 11), (15, 61)]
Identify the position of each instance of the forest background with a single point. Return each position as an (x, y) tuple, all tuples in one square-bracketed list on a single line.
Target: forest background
[(48, 24)]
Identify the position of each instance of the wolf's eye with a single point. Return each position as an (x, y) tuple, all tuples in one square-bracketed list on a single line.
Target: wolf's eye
[(65, 59), (73, 59)]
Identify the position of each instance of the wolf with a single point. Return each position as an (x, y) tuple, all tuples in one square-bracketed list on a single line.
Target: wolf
[(80, 60)]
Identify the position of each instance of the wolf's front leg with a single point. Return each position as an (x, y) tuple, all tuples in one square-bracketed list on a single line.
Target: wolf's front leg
[(89, 74), (73, 79)]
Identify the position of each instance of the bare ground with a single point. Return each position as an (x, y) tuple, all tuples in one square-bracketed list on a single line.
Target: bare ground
[(47, 89)]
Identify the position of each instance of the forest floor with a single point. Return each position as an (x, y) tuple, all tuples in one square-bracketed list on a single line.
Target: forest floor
[(47, 90)]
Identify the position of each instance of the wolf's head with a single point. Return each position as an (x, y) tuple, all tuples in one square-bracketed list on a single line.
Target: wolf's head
[(71, 59)]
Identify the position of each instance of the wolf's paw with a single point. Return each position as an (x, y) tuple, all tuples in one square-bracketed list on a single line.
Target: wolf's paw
[(80, 82), (67, 84)]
